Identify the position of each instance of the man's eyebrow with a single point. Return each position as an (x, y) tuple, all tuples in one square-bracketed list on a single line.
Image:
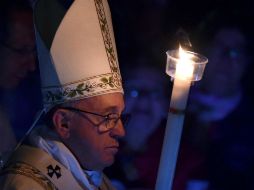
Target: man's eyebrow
[(110, 109)]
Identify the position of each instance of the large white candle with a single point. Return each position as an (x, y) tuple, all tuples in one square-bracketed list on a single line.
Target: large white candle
[(185, 66)]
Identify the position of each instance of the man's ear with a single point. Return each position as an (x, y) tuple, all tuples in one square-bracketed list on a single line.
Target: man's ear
[(61, 123)]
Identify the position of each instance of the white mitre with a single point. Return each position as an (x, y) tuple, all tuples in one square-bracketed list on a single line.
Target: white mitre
[(76, 50)]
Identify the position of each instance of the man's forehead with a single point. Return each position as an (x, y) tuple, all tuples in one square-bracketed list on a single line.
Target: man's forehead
[(103, 103)]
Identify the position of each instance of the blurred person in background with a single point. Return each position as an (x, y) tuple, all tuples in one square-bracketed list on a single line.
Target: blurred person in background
[(218, 128), (17, 42), (17, 53), (146, 97)]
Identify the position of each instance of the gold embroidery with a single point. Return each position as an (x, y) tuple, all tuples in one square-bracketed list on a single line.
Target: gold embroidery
[(106, 36), (106, 83), (31, 172)]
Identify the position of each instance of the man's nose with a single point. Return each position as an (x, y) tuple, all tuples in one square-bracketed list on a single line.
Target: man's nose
[(118, 131)]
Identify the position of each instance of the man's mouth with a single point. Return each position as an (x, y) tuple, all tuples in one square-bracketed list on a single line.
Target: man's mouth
[(113, 149)]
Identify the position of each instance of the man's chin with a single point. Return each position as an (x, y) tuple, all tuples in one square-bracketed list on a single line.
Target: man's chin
[(109, 160)]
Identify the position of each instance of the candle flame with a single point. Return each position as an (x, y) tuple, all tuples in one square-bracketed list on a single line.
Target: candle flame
[(184, 67)]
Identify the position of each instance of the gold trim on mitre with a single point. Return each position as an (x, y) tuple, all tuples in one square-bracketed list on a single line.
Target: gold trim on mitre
[(82, 61), (106, 36), (84, 88)]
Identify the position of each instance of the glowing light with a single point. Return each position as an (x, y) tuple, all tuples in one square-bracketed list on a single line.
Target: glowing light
[(185, 65)]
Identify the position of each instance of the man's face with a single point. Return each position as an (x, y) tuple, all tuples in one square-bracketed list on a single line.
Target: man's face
[(17, 51), (96, 150)]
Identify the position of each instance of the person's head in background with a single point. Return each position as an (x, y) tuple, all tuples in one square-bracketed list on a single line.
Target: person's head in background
[(226, 45), (17, 42), (146, 99), (223, 39)]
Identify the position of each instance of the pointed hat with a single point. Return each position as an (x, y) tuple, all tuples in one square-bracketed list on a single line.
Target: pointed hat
[(76, 50)]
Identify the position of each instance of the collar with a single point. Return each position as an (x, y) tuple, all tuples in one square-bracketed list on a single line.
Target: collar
[(89, 179), (95, 177)]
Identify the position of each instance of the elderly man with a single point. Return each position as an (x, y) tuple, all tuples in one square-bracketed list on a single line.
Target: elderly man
[(83, 100)]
